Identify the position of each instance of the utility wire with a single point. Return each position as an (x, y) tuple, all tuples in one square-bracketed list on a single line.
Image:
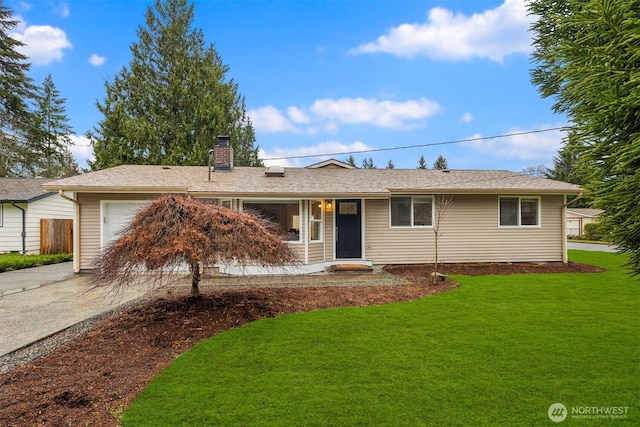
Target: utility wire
[(430, 144)]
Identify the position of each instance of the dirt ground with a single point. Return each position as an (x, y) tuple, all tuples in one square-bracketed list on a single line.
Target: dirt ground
[(93, 378)]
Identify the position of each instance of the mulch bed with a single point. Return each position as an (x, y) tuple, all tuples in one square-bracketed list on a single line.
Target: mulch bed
[(93, 378)]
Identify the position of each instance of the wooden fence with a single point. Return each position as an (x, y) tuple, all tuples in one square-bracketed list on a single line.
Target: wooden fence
[(56, 236)]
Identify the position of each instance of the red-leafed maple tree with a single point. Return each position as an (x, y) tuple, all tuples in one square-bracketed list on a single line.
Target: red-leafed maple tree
[(174, 231)]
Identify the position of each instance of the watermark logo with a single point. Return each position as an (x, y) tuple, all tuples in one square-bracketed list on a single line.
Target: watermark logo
[(557, 412)]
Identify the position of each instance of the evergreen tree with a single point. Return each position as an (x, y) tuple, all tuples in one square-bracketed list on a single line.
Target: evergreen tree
[(390, 165), (172, 100), (587, 56), (16, 89), (368, 163), (351, 161), (422, 163), (48, 153), (540, 171), (440, 163), (568, 164)]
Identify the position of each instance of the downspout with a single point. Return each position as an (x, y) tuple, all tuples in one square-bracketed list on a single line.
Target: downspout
[(76, 231), (565, 257), (24, 228)]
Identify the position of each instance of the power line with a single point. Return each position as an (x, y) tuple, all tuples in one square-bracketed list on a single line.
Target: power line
[(430, 144)]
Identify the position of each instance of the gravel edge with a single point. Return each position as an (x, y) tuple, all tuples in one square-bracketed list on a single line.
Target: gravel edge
[(47, 345)]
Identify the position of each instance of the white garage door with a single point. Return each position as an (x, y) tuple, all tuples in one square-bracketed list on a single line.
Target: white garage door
[(115, 216)]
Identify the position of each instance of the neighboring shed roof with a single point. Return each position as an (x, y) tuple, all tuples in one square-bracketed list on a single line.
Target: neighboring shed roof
[(309, 182), (584, 212), (23, 190)]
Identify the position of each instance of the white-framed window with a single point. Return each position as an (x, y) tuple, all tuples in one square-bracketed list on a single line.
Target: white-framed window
[(284, 213), (225, 203), (411, 211), (519, 211), (315, 220), (1, 206)]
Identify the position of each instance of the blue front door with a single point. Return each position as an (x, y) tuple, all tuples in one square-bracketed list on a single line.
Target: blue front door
[(348, 229)]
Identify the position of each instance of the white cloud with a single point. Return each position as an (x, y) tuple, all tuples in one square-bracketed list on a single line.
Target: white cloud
[(81, 149), (466, 118), (270, 119), (539, 146), (297, 115), (97, 60), (387, 114), (43, 43), (61, 9), (23, 5), (493, 34), (327, 114), (318, 152)]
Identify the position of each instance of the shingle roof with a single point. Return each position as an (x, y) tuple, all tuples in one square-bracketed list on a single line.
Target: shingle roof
[(312, 182), (22, 189)]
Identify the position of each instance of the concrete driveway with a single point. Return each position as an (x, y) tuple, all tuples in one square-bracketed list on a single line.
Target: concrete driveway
[(591, 247), (41, 301)]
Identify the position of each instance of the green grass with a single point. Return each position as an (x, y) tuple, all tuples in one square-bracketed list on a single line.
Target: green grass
[(497, 351), (10, 262)]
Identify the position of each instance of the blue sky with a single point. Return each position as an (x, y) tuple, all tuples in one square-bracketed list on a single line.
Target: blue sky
[(331, 76)]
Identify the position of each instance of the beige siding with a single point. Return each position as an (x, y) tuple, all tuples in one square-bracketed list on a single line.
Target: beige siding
[(316, 252), (469, 233), (90, 223), (329, 242)]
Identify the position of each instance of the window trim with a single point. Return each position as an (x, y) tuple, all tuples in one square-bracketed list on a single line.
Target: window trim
[(520, 199), (412, 219), (318, 221), (301, 238)]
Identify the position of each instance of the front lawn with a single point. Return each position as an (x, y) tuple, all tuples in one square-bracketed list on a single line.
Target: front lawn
[(497, 351), (13, 261)]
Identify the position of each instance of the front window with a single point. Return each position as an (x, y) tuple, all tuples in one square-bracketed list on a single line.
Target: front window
[(315, 220), (411, 211), (284, 214), (519, 211)]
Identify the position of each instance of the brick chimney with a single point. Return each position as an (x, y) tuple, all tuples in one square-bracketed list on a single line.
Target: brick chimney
[(223, 155)]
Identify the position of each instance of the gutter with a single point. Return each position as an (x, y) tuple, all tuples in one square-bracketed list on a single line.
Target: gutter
[(76, 231), (565, 256), (24, 227)]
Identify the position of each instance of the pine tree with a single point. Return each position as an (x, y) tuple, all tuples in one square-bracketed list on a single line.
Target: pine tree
[(172, 100), (351, 161), (16, 89), (390, 165), (47, 153), (368, 163), (569, 164), (440, 163), (587, 56), (422, 163)]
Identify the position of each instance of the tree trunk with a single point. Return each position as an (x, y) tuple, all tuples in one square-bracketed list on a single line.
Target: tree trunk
[(195, 280), (434, 276)]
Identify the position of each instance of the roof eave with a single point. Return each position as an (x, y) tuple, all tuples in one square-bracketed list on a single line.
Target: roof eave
[(116, 189), (537, 191)]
